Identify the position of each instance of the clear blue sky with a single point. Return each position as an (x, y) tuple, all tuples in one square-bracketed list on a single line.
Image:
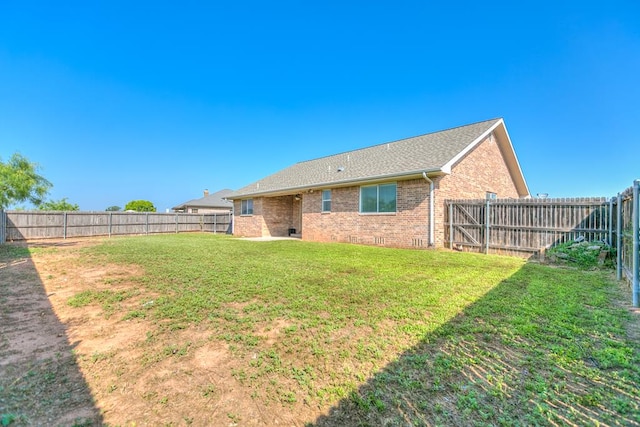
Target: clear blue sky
[(122, 100)]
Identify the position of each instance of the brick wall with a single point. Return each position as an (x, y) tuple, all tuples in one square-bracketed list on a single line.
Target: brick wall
[(480, 171), (272, 216), (408, 227), (248, 225), (278, 215)]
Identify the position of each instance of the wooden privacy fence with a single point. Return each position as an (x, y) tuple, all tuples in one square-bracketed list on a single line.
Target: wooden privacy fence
[(26, 225), (525, 225), (626, 237), (531, 225)]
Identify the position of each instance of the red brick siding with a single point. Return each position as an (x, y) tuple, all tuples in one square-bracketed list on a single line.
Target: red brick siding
[(481, 170), (407, 227), (272, 216), (248, 225), (278, 215)]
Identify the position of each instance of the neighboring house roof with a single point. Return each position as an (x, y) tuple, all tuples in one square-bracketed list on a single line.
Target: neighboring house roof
[(215, 200), (433, 153)]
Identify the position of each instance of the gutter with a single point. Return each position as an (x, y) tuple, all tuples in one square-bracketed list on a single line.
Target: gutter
[(432, 225)]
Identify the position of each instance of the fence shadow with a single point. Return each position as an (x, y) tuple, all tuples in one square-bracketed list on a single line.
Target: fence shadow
[(40, 381), (475, 370)]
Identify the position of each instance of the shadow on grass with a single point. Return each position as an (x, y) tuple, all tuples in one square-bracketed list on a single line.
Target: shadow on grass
[(545, 347), (40, 381)]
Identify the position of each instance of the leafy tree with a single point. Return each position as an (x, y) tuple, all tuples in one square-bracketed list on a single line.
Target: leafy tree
[(58, 205), (113, 209), (20, 182), (140, 206)]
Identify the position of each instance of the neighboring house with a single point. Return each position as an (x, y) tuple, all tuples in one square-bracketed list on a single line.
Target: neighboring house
[(210, 203), (391, 194)]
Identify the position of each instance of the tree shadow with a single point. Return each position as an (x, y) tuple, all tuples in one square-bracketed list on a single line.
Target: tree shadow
[(40, 381), (535, 350)]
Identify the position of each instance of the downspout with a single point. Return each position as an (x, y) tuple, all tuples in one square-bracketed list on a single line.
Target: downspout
[(232, 216), (432, 224)]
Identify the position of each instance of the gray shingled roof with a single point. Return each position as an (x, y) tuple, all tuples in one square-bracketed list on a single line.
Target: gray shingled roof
[(215, 200), (431, 153)]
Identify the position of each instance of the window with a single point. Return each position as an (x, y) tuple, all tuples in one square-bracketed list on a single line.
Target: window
[(326, 200), (246, 207), (378, 198), (194, 210)]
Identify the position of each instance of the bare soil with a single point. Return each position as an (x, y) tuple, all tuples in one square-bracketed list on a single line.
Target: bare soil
[(64, 365)]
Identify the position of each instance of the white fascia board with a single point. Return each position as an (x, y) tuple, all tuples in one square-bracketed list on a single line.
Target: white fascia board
[(447, 167), (517, 162)]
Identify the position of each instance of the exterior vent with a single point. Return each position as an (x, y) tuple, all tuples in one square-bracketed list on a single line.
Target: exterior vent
[(418, 243)]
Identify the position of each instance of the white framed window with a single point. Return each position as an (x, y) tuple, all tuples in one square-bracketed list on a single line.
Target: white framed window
[(246, 207), (326, 200), (378, 198)]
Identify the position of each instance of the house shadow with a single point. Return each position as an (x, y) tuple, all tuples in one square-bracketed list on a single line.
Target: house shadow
[(40, 380), (499, 362)]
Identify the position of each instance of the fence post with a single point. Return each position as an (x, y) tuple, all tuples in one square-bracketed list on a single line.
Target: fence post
[(176, 222), (450, 225), (619, 238), (110, 222), (636, 241), (486, 231), (146, 222), (64, 225), (610, 222), (215, 223), (3, 226)]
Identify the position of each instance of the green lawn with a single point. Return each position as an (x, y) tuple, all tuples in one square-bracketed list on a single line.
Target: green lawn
[(388, 336)]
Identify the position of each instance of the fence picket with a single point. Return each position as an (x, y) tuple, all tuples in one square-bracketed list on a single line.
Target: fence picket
[(27, 225)]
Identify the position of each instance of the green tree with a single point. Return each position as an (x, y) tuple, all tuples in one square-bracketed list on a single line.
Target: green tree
[(20, 182), (113, 208), (140, 206), (58, 205)]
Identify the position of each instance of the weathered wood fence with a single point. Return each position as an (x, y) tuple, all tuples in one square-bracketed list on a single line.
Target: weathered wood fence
[(27, 225), (528, 226), (626, 237), (524, 225)]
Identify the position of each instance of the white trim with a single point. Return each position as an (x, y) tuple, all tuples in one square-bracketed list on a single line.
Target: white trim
[(447, 167), (515, 157), (322, 200), (378, 185)]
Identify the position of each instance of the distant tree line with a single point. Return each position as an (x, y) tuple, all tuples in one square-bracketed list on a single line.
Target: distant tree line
[(20, 182)]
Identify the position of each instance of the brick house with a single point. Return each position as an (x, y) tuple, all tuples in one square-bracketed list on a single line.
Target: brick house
[(209, 203), (390, 194)]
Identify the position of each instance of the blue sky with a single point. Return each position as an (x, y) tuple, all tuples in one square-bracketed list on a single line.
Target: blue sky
[(159, 100)]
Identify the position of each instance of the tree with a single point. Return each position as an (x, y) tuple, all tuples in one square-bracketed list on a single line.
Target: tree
[(140, 206), (113, 209), (20, 182), (58, 205)]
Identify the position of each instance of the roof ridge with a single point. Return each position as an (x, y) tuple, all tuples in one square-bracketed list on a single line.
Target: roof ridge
[(398, 140)]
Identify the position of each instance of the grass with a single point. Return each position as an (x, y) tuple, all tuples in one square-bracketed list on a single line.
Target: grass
[(385, 335)]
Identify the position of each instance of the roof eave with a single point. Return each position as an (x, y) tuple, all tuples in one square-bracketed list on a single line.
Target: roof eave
[(506, 148), (338, 184)]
